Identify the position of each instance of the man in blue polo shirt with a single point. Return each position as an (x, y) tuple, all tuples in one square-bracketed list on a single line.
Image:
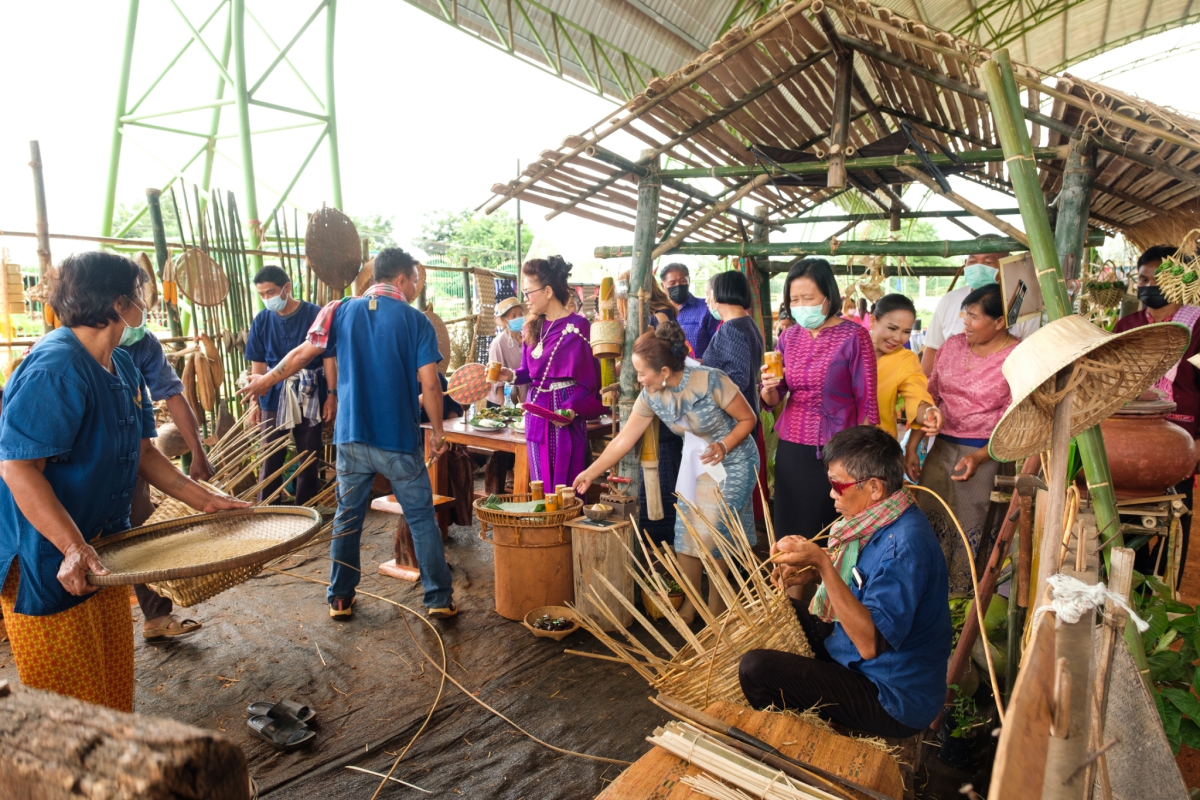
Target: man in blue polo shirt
[(304, 402), (879, 624), (147, 354), (691, 312), (387, 357)]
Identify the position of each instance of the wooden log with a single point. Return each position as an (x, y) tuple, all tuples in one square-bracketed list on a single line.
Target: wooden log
[(1120, 580), (58, 747), (602, 551)]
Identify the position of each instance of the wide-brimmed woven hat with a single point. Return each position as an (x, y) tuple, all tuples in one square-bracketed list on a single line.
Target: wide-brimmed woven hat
[(507, 304), (1109, 370)]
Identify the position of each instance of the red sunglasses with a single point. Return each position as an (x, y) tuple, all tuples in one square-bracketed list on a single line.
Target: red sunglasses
[(840, 488)]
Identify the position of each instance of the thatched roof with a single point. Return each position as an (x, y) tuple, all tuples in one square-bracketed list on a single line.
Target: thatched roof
[(772, 86)]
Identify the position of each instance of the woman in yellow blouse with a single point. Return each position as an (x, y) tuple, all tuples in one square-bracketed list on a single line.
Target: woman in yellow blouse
[(900, 375)]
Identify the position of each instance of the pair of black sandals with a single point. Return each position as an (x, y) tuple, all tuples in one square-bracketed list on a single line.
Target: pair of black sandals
[(284, 725)]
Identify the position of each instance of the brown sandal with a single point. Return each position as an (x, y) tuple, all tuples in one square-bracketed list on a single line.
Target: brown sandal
[(173, 628)]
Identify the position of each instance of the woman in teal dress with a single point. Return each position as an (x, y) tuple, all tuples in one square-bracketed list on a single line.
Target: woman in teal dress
[(719, 464)]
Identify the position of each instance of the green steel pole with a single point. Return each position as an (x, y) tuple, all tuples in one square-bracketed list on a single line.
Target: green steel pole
[(242, 100), (114, 156), (215, 128), (335, 167)]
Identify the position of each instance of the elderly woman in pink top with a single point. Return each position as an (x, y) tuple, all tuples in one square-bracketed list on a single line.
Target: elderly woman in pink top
[(969, 388), (829, 378)]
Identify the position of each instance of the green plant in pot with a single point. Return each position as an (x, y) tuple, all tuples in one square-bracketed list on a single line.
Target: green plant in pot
[(962, 725)]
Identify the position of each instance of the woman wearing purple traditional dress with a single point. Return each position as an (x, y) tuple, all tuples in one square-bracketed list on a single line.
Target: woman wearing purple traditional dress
[(557, 362)]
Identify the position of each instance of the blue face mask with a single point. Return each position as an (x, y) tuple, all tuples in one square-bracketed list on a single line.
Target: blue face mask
[(811, 317), (979, 275), (276, 303), (132, 335), (516, 324)]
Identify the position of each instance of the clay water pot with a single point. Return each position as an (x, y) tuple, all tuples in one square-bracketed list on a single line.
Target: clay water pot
[(1147, 453)]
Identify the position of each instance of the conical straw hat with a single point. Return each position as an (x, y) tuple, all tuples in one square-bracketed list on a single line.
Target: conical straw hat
[(1109, 371)]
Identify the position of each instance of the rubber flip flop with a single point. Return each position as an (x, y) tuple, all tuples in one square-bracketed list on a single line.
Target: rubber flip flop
[(281, 709), (342, 609), (444, 613), (282, 733), (186, 628)]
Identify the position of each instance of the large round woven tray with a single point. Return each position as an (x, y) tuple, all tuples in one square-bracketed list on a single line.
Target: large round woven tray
[(333, 248), (509, 519), (203, 545)]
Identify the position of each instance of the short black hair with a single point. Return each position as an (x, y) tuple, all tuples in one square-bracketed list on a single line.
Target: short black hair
[(732, 288), (1160, 252), (988, 300), (88, 285), (390, 262), (674, 266), (892, 302), (819, 272), (866, 451), (272, 274)]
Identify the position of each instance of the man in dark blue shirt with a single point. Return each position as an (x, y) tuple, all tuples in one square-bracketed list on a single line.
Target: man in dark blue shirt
[(879, 625), (303, 403), (691, 312)]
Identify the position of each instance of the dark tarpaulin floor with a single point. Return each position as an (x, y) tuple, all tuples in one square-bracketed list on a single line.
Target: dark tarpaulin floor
[(266, 639)]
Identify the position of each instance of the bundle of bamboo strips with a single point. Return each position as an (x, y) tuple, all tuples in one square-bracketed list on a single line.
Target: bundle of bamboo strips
[(705, 669)]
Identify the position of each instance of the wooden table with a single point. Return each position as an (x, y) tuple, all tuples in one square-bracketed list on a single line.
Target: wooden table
[(506, 440)]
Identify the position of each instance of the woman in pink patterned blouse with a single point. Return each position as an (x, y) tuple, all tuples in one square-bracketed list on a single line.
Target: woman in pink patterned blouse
[(969, 388), (829, 382)]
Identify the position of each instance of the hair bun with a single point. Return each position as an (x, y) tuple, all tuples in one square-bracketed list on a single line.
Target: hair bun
[(679, 349), (559, 265)]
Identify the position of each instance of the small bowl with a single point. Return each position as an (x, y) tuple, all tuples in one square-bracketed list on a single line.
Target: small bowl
[(598, 512), (553, 612)]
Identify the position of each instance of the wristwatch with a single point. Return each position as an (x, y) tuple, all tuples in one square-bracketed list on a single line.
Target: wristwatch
[(333, 392)]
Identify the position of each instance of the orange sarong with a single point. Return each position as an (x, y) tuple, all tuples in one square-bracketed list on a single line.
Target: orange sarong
[(85, 652)]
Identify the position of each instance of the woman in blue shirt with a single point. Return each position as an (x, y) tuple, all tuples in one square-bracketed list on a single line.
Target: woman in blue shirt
[(879, 624), (75, 435)]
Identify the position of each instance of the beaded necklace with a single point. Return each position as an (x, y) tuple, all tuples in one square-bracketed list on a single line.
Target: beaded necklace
[(537, 351)]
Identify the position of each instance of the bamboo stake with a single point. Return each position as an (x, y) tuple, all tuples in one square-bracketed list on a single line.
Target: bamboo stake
[(703, 219), (962, 202)]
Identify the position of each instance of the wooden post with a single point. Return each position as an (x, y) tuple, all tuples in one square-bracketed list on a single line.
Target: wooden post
[(762, 235), (161, 254), (1070, 227), (645, 234), (45, 265), (469, 310), (840, 133), (1120, 580)]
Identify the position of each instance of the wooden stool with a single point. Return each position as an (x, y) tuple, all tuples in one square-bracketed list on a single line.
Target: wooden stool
[(600, 549), (404, 565)]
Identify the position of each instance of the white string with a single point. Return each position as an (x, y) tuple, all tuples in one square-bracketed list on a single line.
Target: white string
[(1073, 597)]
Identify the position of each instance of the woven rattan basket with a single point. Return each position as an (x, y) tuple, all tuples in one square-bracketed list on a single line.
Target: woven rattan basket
[(191, 559), (510, 519), (1107, 297)]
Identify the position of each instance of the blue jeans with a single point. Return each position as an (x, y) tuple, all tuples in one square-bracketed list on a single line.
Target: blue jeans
[(357, 464)]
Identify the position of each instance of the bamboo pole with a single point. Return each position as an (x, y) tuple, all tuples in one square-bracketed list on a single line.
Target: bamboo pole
[(130, 244), (762, 235), (880, 215), (962, 202), (161, 254), (645, 234), (840, 134), (702, 220)]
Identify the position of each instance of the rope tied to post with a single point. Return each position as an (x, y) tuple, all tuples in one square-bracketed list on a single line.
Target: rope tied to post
[(1073, 597)]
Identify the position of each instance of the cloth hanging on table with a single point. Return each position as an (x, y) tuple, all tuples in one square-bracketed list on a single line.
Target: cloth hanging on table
[(848, 537), (299, 401), (461, 470)]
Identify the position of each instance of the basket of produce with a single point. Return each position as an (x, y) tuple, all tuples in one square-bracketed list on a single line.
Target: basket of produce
[(522, 511), (551, 622), (1105, 294), (191, 559)]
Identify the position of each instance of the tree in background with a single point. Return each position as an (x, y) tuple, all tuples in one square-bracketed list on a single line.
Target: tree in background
[(141, 229), (487, 240), (375, 227)]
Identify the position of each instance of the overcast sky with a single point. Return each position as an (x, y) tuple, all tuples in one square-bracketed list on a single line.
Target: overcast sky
[(428, 118)]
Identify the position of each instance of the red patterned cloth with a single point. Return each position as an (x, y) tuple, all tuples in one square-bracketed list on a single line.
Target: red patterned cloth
[(971, 391), (318, 334)]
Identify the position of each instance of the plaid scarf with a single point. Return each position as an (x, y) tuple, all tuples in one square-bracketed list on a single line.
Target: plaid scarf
[(848, 537)]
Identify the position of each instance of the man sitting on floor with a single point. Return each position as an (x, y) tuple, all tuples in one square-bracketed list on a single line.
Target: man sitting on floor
[(879, 624)]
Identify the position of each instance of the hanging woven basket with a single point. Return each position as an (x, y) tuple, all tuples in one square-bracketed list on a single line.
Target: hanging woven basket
[(200, 278), (333, 248)]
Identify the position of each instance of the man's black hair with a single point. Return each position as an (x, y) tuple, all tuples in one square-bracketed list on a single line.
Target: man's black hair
[(988, 299), (674, 266), (819, 272), (866, 451), (732, 288), (89, 283), (390, 262), (1159, 252), (272, 274)]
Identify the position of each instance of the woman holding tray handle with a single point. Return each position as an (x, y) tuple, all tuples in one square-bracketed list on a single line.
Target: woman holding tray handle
[(720, 460), (75, 435)]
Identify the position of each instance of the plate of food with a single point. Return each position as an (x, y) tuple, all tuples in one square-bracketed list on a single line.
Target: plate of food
[(487, 424)]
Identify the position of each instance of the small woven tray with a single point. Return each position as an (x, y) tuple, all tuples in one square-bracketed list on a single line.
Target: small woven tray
[(204, 545), (510, 519)]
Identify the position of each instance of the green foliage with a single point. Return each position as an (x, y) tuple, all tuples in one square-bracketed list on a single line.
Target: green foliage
[(965, 714), (1173, 672), (375, 227), (141, 229), (487, 240)]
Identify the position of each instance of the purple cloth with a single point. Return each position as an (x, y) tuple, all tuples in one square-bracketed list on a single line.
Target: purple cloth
[(698, 324), (830, 383), (558, 454)]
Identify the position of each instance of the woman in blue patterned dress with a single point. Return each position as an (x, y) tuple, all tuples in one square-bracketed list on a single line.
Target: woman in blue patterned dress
[(704, 407)]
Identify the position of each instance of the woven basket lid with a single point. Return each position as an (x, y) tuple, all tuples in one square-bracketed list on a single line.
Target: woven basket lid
[(365, 279), (443, 338), (468, 384), (205, 544), (200, 278), (150, 287), (1109, 371), (333, 248)]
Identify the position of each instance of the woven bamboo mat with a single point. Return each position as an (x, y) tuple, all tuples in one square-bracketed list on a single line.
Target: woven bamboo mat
[(657, 774)]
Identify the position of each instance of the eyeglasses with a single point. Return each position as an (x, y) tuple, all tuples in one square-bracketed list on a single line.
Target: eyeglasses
[(840, 488), (528, 292)]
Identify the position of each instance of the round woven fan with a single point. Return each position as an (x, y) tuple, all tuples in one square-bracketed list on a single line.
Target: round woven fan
[(333, 248), (443, 338), (206, 544), (366, 277), (200, 278), (468, 384), (150, 287)]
